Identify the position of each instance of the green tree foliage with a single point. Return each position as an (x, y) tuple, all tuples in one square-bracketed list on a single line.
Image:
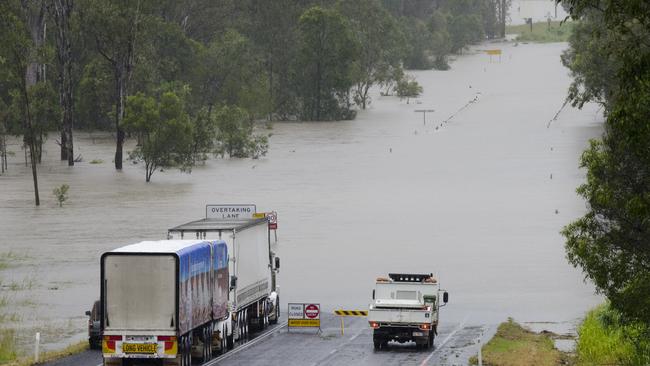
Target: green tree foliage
[(408, 88), (61, 194), (23, 52), (328, 51), (164, 131), (380, 44), (116, 27), (235, 134), (611, 243)]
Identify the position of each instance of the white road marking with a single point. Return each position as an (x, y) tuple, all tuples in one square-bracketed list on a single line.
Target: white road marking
[(439, 347), (356, 335), (243, 347)]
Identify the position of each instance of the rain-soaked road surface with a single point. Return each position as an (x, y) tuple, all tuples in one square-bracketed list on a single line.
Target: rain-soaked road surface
[(477, 196), (306, 347)]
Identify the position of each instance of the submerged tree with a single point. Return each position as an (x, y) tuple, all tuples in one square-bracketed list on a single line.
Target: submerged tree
[(380, 44), (61, 12), (327, 52), (164, 131), (235, 134), (408, 88), (116, 27)]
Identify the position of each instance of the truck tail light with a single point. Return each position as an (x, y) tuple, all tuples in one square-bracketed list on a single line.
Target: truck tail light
[(171, 346), (108, 345), (374, 325), (425, 326)]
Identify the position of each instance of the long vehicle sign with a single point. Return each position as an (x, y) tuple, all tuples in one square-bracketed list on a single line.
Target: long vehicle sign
[(230, 212)]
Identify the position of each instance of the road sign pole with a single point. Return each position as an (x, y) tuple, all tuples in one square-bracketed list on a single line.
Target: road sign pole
[(342, 325)]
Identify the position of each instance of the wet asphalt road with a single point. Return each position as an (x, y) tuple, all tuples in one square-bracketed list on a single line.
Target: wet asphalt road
[(454, 345)]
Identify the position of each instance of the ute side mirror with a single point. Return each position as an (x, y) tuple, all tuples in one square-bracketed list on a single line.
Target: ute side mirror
[(277, 262), (445, 297), (233, 282), (87, 312), (373, 294)]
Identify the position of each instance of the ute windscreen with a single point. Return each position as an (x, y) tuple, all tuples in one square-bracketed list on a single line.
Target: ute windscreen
[(140, 292)]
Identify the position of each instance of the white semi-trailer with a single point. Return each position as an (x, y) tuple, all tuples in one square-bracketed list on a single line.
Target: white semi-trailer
[(253, 299), (160, 300), (405, 308)]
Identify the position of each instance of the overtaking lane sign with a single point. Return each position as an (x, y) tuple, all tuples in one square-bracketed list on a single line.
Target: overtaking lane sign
[(304, 315)]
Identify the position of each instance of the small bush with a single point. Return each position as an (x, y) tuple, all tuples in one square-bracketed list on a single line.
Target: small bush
[(61, 194), (605, 340), (97, 161)]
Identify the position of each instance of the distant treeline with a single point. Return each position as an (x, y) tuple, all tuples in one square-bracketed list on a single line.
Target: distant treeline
[(88, 64)]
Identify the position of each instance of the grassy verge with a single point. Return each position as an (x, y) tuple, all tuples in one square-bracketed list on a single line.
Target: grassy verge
[(604, 340), (559, 32), (49, 356), (514, 345)]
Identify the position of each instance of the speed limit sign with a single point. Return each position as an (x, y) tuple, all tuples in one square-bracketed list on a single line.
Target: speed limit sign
[(273, 220)]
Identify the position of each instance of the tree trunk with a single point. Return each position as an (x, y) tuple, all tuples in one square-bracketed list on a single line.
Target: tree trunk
[(34, 72), (61, 11), (502, 21), (119, 116), (318, 90)]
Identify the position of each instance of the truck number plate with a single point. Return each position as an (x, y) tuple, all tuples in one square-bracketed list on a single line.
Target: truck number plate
[(139, 347), (418, 334)]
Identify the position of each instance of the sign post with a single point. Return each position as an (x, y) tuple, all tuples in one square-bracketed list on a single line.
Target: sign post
[(303, 315)]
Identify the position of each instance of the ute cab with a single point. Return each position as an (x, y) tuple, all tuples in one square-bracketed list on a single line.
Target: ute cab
[(405, 308)]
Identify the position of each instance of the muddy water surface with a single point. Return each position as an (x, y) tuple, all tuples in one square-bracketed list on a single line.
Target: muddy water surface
[(478, 199)]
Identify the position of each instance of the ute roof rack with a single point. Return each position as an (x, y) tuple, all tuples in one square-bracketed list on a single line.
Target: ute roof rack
[(411, 277)]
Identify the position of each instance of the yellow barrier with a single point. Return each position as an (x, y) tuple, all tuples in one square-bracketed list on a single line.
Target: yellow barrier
[(344, 313)]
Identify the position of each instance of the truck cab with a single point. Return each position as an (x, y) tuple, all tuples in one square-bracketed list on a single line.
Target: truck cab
[(405, 308)]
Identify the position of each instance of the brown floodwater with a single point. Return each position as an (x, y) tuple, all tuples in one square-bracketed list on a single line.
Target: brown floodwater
[(478, 199)]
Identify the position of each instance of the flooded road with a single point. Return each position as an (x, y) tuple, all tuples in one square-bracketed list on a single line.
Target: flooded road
[(478, 199)]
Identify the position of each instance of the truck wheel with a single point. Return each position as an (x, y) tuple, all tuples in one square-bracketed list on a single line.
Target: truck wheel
[(230, 340), (206, 345), (432, 336), (277, 312), (265, 317)]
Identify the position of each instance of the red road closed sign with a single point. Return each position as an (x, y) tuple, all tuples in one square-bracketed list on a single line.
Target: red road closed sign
[(312, 311)]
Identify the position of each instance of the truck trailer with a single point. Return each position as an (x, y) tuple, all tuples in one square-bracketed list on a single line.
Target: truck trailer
[(254, 294), (162, 299)]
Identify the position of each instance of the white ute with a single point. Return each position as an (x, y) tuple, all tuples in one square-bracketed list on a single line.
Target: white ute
[(405, 308)]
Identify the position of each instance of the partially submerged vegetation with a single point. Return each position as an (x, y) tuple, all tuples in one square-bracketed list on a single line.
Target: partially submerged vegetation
[(513, 345), (542, 32)]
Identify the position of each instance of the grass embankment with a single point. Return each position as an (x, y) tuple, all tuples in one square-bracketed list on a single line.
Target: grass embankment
[(513, 345), (604, 340), (9, 355), (559, 32), (48, 356)]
